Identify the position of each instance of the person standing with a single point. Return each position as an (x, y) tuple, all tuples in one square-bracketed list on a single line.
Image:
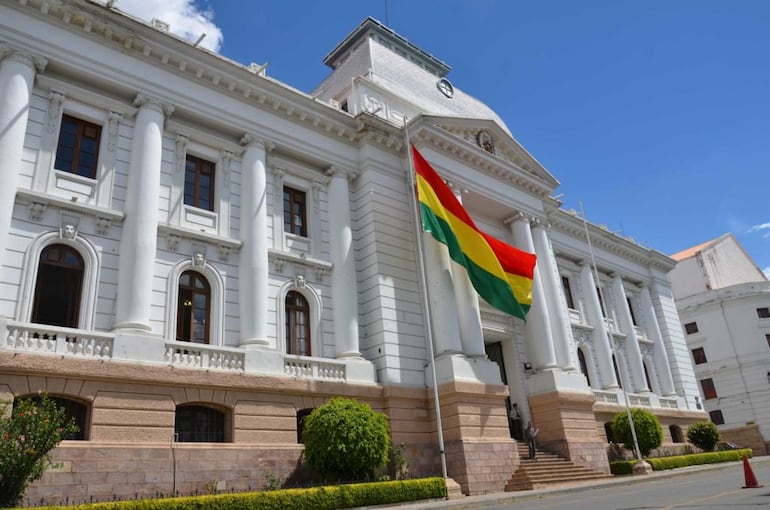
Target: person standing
[(530, 433)]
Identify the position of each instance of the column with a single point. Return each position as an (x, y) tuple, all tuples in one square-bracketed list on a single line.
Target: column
[(467, 302), (253, 263), (626, 323), (443, 309), (539, 335), (138, 242), (17, 75), (600, 337), (566, 350), (658, 349), (343, 278)]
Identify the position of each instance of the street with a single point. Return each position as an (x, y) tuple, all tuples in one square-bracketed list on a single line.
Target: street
[(710, 489)]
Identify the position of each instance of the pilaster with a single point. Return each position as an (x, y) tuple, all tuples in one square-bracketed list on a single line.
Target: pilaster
[(633, 352), (600, 337)]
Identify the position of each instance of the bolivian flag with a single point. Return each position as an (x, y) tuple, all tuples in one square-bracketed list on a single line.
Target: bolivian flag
[(500, 273)]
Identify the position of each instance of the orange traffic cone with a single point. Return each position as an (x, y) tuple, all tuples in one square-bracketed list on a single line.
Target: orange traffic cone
[(748, 473)]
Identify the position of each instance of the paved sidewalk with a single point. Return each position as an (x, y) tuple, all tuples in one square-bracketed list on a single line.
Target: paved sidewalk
[(474, 502)]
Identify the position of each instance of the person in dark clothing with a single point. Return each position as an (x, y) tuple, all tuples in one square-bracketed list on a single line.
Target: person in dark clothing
[(530, 433)]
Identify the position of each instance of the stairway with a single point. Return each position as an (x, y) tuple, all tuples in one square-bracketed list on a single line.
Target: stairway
[(548, 470)]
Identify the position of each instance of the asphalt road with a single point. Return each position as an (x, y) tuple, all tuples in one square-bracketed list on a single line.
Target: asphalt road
[(711, 487)]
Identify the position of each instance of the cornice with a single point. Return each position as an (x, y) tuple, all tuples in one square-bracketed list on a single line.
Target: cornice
[(568, 223), (447, 142), (248, 84)]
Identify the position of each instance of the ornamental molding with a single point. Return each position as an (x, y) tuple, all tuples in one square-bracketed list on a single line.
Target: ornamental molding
[(248, 83)]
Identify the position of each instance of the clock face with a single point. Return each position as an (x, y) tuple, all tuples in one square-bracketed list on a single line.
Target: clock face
[(445, 87)]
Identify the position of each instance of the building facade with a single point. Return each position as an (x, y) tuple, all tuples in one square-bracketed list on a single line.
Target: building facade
[(724, 303), (195, 255)]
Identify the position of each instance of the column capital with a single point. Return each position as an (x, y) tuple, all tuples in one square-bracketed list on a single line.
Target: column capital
[(9, 52), (536, 222), (251, 140), (337, 172), (143, 101), (517, 216)]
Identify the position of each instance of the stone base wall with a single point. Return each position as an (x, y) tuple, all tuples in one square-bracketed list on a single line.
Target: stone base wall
[(96, 472), (568, 428), (746, 437), (480, 466)]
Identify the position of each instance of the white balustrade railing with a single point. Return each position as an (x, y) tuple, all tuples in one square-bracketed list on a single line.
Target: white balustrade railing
[(610, 397), (638, 400), (309, 368), (670, 403), (191, 355), (42, 338)]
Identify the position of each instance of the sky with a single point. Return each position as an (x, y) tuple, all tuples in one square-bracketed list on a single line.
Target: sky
[(654, 114)]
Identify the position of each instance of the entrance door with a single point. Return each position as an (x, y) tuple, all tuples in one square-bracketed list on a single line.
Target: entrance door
[(495, 353)]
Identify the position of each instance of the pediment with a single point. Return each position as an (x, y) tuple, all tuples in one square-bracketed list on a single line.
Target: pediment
[(488, 136)]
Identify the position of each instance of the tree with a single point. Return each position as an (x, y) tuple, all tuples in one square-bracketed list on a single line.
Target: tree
[(649, 433), (346, 440), (703, 434), (27, 433)]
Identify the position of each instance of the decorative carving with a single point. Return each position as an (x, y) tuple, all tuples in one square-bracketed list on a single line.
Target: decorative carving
[(180, 152), (279, 263), (372, 104), (68, 231), (36, 210), (485, 142), (112, 130), (227, 158), (143, 101), (316, 189), (55, 102), (172, 241), (299, 281), (320, 272), (224, 252), (199, 257), (102, 225)]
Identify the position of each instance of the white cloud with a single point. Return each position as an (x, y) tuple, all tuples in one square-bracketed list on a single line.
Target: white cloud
[(185, 19), (761, 226)]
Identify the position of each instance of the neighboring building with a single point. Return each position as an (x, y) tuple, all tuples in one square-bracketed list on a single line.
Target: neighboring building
[(723, 300), (195, 255)]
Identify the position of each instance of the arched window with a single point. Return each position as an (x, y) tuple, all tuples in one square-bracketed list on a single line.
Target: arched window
[(73, 410), (617, 372), (193, 308), (58, 287), (301, 415), (608, 432), (676, 434), (196, 423), (583, 365), (297, 324)]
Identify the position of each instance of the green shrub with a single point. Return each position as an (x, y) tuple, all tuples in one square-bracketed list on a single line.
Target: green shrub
[(318, 498), (31, 430), (649, 433), (346, 440), (703, 434), (625, 467)]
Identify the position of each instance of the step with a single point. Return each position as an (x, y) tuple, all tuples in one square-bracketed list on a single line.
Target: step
[(548, 470)]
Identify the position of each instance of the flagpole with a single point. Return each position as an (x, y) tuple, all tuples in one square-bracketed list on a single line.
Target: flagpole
[(613, 345), (411, 184)]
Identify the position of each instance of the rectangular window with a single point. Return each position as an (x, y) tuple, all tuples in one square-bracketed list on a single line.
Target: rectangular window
[(601, 302), (631, 310), (709, 390), (77, 151), (691, 327), (763, 313), (294, 214), (199, 183), (567, 292), (699, 356), (716, 417)]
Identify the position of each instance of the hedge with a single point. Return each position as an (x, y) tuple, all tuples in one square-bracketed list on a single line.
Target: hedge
[(625, 467), (321, 498)]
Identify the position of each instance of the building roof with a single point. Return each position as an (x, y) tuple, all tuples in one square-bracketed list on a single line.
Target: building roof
[(691, 252)]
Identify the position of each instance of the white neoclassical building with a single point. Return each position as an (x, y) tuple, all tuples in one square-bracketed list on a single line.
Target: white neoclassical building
[(194, 255), (724, 304)]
